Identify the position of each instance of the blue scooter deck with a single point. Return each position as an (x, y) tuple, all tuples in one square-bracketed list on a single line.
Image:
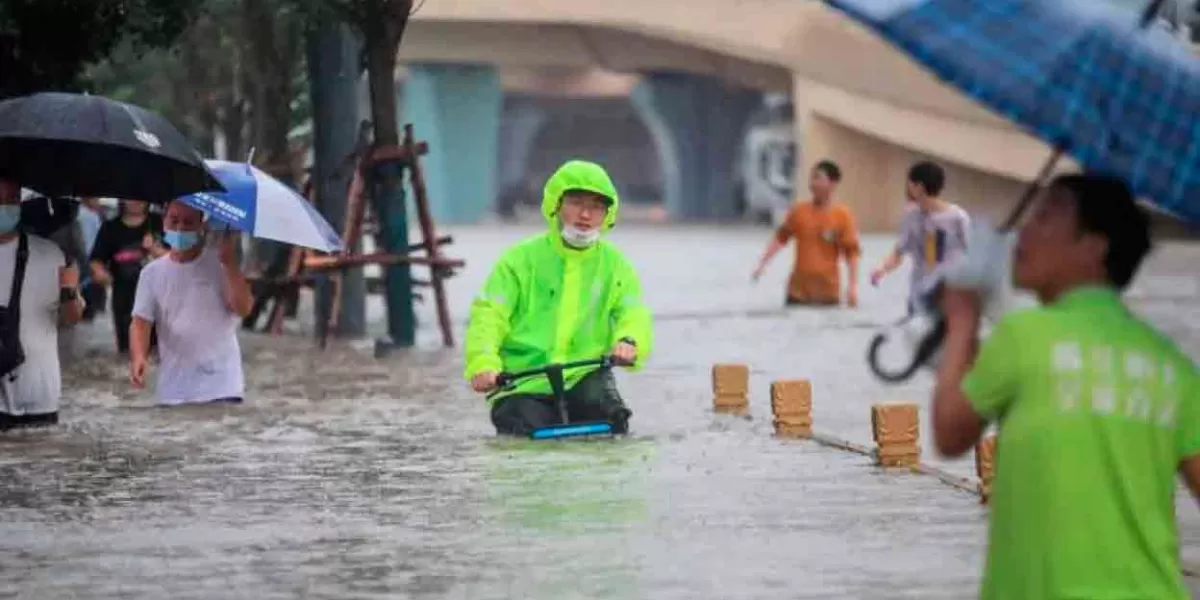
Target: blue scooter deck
[(571, 430)]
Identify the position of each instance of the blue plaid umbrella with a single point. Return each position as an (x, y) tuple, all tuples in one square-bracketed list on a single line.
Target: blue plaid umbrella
[(1086, 76)]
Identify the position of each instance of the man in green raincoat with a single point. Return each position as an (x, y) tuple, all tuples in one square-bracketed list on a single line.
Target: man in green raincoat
[(562, 296)]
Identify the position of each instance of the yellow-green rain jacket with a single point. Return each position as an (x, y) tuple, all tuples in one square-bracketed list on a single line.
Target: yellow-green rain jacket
[(546, 302)]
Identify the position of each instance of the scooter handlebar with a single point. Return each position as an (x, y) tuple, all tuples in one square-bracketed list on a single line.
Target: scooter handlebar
[(506, 379)]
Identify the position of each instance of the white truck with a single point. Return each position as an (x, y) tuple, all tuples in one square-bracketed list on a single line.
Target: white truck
[(766, 163)]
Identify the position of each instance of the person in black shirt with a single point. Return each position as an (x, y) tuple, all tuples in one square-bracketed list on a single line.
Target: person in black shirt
[(123, 246)]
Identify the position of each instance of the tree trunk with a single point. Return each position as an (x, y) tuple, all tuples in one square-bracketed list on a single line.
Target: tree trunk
[(232, 125), (381, 76), (383, 28), (270, 78), (208, 119), (272, 75), (333, 79)]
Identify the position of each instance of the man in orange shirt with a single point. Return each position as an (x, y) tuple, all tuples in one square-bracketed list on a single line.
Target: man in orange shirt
[(823, 230)]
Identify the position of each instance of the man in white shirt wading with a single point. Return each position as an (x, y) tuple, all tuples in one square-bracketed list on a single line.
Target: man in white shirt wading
[(195, 296), (49, 295)]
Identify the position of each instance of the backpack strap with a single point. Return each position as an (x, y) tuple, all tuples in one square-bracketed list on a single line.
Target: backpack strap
[(14, 298)]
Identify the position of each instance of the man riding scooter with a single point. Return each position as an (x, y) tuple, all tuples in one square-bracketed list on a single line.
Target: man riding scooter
[(561, 296)]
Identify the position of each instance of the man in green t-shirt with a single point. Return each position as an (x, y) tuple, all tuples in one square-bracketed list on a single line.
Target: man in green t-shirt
[(1096, 410)]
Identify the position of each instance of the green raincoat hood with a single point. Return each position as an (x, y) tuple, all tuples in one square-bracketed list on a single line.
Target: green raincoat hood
[(579, 175)]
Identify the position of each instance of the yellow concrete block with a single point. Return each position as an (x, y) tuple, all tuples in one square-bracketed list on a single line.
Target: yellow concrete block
[(898, 456), (895, 424), (793, 430), (729, 379), (791, 403), (896, 430), (791, 397), (985, 465), (739, 410), (731, 386)]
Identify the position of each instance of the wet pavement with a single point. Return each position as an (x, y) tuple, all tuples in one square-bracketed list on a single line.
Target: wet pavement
[(350, 477)]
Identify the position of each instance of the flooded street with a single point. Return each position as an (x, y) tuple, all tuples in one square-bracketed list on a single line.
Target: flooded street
[(345, 476)]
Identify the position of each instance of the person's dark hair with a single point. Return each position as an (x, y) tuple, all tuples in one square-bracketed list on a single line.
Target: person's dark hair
[(830, 169), (1105, 206), (930, 175), (44, 216)]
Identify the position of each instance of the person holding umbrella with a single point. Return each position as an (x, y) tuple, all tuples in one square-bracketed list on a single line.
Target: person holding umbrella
[(195, 297), (43, 292), (1097, 412)]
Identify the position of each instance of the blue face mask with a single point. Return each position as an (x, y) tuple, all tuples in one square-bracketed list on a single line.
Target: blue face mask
[(181, 241), (10, 216)]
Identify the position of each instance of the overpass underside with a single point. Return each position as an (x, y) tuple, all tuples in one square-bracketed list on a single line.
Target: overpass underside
[(857, 101), (461, 80)]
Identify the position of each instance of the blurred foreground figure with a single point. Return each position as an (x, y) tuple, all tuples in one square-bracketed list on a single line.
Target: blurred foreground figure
[(1097, 411)]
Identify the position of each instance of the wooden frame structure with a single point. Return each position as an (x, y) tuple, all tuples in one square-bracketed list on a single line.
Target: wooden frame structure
[(306, 266)]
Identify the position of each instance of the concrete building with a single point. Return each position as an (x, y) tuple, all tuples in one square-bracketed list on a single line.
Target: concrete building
[(695, 70)]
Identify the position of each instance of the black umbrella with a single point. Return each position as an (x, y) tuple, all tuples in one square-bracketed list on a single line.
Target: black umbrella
[(78, 145)]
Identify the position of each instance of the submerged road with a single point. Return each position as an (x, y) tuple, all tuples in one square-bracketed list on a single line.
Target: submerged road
[(350, 477)]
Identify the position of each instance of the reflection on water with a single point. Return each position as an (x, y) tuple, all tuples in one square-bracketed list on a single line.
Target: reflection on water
[(565, 516), (349, 477), (569, 488)]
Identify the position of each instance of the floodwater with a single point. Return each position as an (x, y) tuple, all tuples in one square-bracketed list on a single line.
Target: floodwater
[(347, 476)]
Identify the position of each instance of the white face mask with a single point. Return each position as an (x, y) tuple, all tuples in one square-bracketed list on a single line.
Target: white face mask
[(579, 238)]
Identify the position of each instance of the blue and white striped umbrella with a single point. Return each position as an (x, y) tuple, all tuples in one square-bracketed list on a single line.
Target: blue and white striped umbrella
[(264, 207), (1087, 76)]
